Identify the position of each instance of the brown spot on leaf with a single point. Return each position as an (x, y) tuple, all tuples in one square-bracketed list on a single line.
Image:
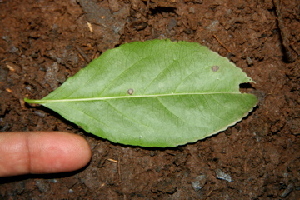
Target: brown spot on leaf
[(130, 91), (215, 68)]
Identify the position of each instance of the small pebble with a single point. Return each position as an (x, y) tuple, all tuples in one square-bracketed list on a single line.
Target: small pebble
[(191, 10), (213, 26), (196, 186), (40, 114), (42, 186), (13, 49), (223, 176), (53, 180), (287, 191), (199, 183), (249, 61)]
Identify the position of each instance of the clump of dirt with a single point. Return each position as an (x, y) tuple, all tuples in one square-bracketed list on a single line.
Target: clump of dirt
[(44, 42)]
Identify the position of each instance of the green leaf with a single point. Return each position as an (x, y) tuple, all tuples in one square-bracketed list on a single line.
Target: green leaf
[(154, 94)]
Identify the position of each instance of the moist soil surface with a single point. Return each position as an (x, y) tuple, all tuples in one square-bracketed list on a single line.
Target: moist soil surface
[(44, 42)]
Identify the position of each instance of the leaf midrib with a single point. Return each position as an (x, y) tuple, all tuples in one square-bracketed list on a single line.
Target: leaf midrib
[(41, 101)]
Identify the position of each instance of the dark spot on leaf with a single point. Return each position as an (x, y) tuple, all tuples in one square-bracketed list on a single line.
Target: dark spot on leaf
[(130, 91), (215, 68)]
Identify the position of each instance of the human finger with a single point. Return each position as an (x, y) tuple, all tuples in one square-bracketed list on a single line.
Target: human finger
[(42, 152)]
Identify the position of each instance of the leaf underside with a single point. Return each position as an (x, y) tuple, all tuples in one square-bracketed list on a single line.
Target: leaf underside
[(154, 94)]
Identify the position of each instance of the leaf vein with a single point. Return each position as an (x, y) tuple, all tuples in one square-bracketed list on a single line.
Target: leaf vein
[(41, 101), (123, 115), (167, 109), (119, 75), (158, 75), (88, 115)]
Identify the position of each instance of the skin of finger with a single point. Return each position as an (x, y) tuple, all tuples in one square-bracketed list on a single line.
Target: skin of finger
[(42, 152)]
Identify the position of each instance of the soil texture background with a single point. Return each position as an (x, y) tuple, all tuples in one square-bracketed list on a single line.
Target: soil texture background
[(44, 42)]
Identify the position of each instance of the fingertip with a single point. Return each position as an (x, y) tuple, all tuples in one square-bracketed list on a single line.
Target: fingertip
[(79, 151), (60, 152)]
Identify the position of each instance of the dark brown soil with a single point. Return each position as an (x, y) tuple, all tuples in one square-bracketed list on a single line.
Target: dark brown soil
[(44, 42)]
